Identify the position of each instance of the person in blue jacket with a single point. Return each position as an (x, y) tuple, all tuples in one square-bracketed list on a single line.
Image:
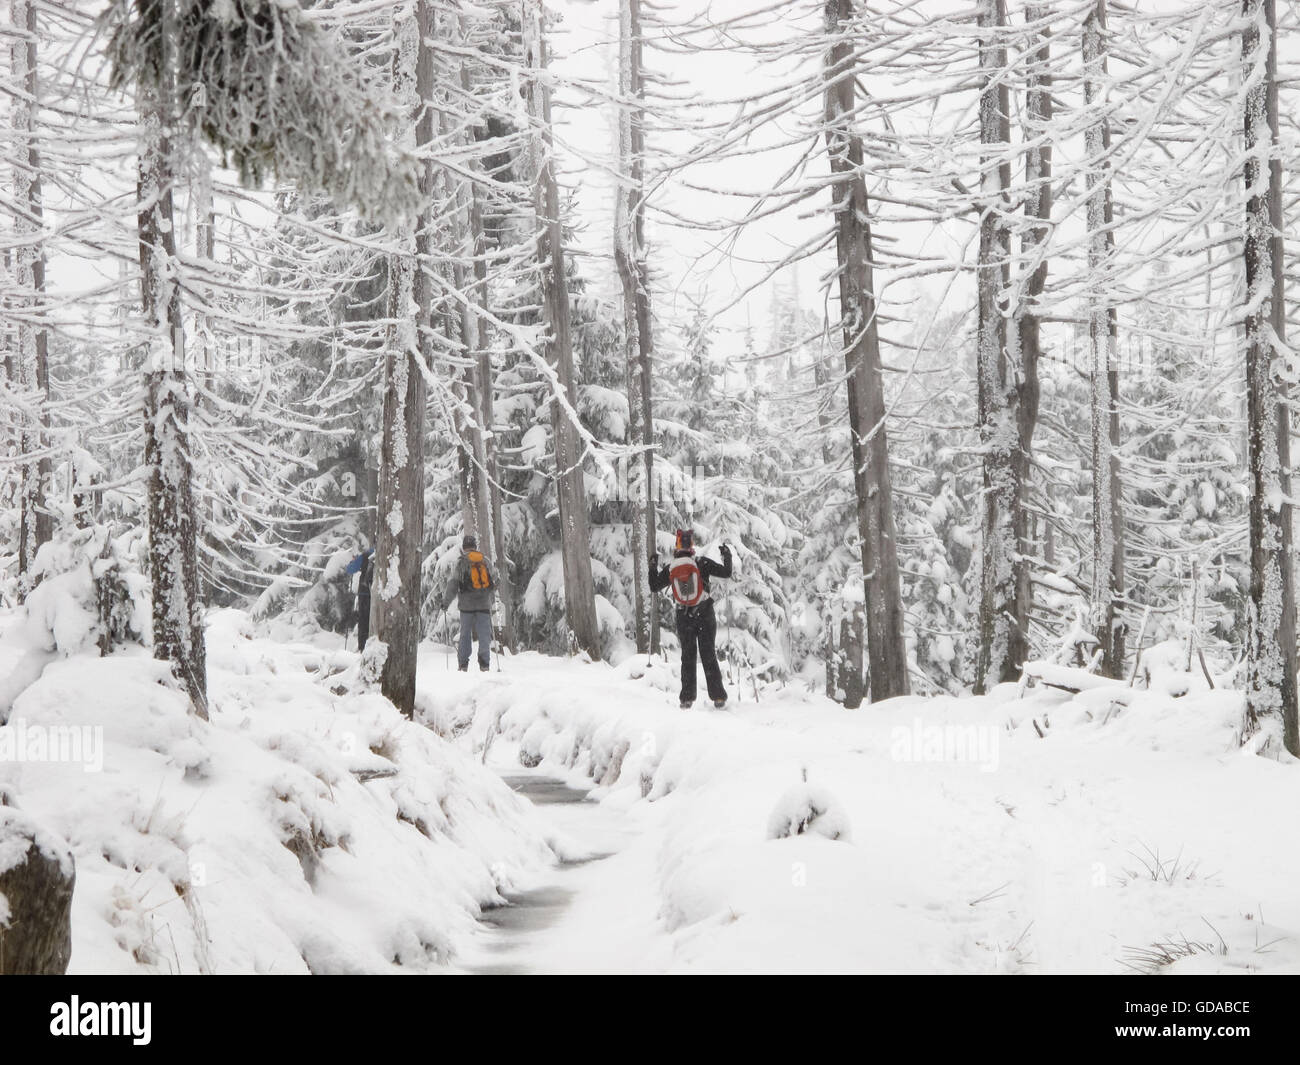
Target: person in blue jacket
[(364, 564)]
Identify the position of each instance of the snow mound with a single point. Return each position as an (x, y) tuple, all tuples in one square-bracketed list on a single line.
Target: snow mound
[(652, 671), (297, 831), (805, 808)]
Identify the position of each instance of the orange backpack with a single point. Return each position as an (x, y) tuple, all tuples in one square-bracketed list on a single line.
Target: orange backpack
[(479, 577)]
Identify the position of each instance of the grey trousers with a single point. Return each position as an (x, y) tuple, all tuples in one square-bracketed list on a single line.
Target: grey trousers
[(475, 624)]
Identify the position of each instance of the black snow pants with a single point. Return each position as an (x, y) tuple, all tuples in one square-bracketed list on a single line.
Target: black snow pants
[(697, 628), (363, 621)]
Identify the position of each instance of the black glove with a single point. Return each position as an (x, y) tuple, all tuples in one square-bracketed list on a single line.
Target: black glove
[(654, 561), (725, 550)]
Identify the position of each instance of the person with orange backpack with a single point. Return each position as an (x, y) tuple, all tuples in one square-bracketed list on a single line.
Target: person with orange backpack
[(688, 579), (474, 587)]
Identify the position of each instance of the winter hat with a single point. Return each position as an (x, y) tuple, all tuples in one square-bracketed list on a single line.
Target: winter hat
[(685, 541), (470, 543)]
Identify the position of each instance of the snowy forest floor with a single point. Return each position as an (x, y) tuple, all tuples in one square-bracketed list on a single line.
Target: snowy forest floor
[(1096, 849), (309, 828)]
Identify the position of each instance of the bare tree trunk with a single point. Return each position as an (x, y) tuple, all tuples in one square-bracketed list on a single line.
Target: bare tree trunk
[(851, 680), (205, 249), (1003, 610), (575, 538), (35, 522), (498, 548), (1271, 647), (476, 496), (464, 427), (886, 647), (173, 565), (626, 203), (1103, 330), (399, 545), (821, 384), (490, 484), (845, 681), (832, 652), (1027, 323), (475, 482), (630, 257), (10, 493)]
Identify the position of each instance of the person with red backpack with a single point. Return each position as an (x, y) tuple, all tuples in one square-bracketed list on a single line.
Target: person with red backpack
[(474, 587), (688, 579)]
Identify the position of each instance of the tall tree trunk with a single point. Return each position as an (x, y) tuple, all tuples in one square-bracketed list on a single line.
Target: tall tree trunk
[(630, 257), (1027, 323), (575, 538), (499, 549), (850, 679), (205, 249), (35, 523), (886, 647), (1271, 649), (496, 547), (173, 566), (845, 681), (399, 544), (1003, 609), (10, 493), (1103, 331), (475, 481), (471, 427)]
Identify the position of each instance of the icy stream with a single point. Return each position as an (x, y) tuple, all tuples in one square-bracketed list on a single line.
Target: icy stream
[(510, 944)]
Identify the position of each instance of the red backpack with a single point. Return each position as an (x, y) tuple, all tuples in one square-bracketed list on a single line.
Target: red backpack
[(686, 581)]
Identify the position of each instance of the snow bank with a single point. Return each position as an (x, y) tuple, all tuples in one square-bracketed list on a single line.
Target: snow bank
[(1035, 832), (299, 831)]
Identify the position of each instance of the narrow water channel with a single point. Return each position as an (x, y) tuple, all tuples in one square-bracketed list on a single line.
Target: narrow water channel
[(512, 928)]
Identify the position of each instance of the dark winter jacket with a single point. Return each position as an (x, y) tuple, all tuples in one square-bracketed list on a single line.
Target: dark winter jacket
[(659, 575), (468, 598), (364, 564)]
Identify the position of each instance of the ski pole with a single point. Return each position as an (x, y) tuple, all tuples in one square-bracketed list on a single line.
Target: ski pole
[(500, 646)]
